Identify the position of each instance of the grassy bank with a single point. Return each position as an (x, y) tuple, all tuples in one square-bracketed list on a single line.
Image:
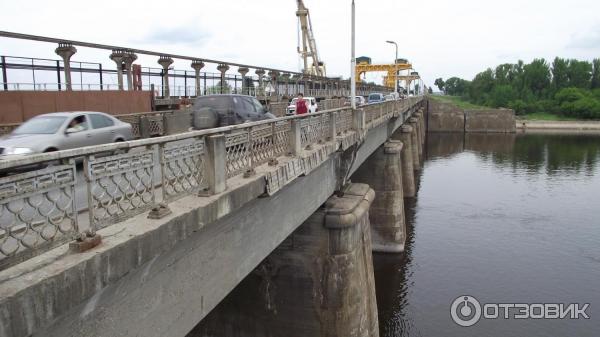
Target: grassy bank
[(456, 100), (536, 116), (544, 116)]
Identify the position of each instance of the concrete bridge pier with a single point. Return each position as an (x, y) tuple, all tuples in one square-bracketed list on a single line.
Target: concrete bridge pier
[(421, 116), (409, 186), (419, 132), (318, 282), (383, 172), (416, 149)]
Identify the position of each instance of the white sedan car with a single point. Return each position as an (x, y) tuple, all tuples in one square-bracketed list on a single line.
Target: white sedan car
[(311, 104)]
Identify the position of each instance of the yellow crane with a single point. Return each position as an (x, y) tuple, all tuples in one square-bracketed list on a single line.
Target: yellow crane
[(363, 65), (309, 45)]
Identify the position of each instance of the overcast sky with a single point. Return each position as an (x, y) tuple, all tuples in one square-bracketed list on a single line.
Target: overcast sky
[(440, 38)]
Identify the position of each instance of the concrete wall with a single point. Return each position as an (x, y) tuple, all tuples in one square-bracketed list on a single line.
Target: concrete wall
[(19, 106), (445, 117), (490, 120)]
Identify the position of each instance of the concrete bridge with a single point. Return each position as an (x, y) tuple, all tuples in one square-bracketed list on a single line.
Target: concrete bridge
[(288, 210)]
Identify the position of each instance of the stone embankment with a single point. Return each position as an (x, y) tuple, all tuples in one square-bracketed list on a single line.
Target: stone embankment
[(447, 117), (583, 126)]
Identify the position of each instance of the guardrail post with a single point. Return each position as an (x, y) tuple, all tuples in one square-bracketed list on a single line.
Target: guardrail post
[(332, 127), (249, 153), (273, 161), (295, 137), (216, 164), (358, 123), (144, 127)]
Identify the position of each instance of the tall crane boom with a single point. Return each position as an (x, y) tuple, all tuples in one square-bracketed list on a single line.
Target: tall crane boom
[(309, 45)]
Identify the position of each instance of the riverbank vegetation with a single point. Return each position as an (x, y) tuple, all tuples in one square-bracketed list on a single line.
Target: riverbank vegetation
[(563, 89)]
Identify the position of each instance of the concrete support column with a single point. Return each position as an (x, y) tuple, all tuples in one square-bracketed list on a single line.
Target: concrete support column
[(419, 114), (421, 135), (243, 71), (128, 59), (318, 283), (273, 76), (383, 172), (118, 56), (222, 68), (165, 62), (66, 50), (197, 65), (423, 126), (412, 121), (286, 77), (261, 75), (417, 126), (409, 187)]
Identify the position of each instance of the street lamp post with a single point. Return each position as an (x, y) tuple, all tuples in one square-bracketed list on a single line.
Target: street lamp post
[(353, 61), (396, 69)]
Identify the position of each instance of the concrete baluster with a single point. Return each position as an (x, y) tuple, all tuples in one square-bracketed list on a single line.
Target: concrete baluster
[(273, 76), (118, 56), (165, 62), (261, 74), (128, 59), (286, 78), (66, 50), (243, 71), (197, 65), (222, 68)]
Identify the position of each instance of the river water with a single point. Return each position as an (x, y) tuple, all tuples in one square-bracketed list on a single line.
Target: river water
[(504, 219)]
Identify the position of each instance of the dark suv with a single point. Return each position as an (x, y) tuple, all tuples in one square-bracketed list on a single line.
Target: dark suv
[(222, 110)]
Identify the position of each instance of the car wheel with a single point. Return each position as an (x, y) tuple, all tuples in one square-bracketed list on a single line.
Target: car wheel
[(120, 151), (50, 163)]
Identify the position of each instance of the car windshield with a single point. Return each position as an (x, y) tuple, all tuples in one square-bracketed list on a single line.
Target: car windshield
[(40, 125), (374, 96)]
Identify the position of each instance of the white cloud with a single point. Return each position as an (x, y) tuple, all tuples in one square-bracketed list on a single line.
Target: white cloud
[(440, 38), (587, 40)]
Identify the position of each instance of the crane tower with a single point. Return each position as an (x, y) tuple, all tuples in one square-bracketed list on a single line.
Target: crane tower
[(309, 45)]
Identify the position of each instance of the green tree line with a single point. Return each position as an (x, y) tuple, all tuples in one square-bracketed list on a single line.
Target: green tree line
[(566, 86)]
